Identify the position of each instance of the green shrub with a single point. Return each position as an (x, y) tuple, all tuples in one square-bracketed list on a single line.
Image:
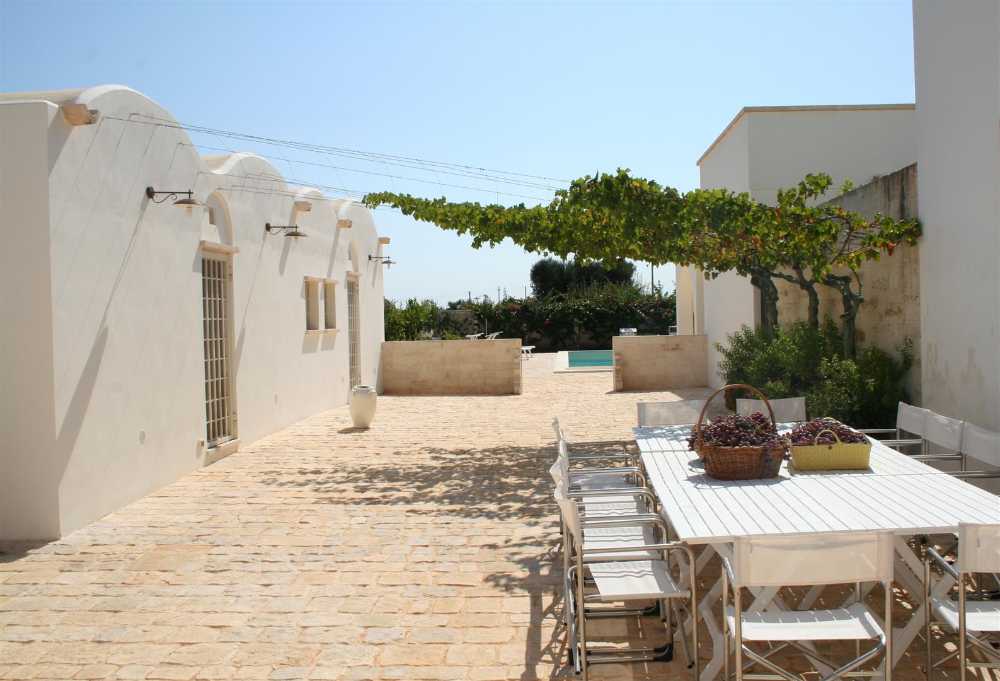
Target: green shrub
[(837, 394), (784, 365), (579, 319), (801, 360), (583, 318)]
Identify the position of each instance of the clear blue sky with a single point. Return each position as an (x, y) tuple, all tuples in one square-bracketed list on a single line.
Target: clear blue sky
[(557, 90)]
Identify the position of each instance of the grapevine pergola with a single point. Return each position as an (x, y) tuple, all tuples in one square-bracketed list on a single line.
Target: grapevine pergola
[(610, 216)]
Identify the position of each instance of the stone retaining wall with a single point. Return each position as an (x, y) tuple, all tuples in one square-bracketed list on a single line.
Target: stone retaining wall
[(452, 367), (660, 362)]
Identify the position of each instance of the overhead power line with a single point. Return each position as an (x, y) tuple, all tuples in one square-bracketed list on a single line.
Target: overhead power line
[(372, 172), (426, 165)]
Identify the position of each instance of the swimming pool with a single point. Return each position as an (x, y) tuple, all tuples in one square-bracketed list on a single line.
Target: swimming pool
[(589, 358)]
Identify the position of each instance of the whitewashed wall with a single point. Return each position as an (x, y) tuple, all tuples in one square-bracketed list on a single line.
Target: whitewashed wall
[(957, 47), (729, 301), (102, 344), (769, 148)]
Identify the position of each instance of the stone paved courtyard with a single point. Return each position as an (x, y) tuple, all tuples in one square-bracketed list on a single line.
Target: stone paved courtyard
[(425, 548), (421, 549)]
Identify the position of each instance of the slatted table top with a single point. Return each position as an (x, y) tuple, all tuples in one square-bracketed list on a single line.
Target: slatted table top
[(897, 494)]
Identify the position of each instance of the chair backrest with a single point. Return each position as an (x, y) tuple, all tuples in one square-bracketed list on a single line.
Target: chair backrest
[(560, 469), (978, 548), (557, 429), (556, 471), (571, 517), (813, 559), (943, 431), (560, 489), (910, 419), (785, 410), (981, 444), (679, 413)]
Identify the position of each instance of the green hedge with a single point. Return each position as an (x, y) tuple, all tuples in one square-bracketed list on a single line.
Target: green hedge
[(803, 361), (579, 319)]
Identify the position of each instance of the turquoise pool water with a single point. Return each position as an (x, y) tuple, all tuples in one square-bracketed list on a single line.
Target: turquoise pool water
[(590, 358)]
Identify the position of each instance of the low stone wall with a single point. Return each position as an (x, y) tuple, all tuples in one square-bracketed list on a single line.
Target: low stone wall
[(452, 367), (660, 362)]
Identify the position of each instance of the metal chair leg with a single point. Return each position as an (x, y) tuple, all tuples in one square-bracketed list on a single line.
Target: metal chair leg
[(887, 653), (581, 625), (693, 587), (927, 616), (738, 632), (962, 653)]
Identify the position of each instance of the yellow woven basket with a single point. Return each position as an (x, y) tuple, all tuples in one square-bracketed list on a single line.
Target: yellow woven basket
[(839, 456)]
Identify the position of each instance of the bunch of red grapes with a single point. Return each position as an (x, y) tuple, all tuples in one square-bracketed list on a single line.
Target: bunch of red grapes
[(755, 430), (808, 433)]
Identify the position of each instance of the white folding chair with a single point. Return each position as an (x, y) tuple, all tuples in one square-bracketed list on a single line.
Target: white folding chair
[(786, 409), (608, 502), (679, 413), (626, 561), (603, 492), (607, 450), (982, 446), (814, 560), (943, 433), (910, 422), (593, 479), (492, 336), (977, 622)]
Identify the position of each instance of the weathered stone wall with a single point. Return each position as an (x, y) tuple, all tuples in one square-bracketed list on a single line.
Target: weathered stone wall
[(891, 310), (660, 362), (452, 367)]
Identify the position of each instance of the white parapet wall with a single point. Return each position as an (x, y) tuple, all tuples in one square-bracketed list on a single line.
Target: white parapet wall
[(660, 362), (452, 367)]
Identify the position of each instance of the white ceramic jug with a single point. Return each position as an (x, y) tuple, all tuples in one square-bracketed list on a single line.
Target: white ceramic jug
[(363, 399)]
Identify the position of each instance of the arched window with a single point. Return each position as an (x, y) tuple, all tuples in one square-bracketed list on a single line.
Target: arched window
[(217, 226)]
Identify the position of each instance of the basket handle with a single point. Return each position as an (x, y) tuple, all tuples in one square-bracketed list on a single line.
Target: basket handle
[(826, 430), (701, 416)]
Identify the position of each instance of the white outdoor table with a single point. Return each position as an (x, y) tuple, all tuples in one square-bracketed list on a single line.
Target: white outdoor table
[(897, 494)]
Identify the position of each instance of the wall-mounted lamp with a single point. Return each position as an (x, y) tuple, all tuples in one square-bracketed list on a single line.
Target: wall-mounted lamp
[(384, 259), (288, 230), (189, 202)]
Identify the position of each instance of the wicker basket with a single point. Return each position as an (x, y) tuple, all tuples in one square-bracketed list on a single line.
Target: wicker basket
[(829, 457), (739, 463)]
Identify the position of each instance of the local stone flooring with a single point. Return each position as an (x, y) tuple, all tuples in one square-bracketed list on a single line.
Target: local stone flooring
[(424, 548), (420, 549)]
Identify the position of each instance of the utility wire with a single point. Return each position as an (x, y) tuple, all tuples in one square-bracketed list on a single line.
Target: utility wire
[(372, 172), (462, 170)]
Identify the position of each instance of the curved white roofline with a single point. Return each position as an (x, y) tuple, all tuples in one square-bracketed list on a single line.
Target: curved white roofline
[(216, 164)]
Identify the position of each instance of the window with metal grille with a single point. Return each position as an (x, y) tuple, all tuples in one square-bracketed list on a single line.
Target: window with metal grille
[(354, 330), (215, 305), (329, 305), (312, 304)]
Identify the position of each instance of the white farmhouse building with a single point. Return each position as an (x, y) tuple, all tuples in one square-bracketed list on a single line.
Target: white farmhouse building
[(143, 338), (953, 135), (765, 149)]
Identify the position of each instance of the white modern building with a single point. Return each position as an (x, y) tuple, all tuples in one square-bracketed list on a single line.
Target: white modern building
[(143, 337), (957, 58), (765, 149), (953, 135)]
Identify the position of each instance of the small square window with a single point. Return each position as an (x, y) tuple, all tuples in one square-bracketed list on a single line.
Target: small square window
[(329, 305), (312, 305)]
